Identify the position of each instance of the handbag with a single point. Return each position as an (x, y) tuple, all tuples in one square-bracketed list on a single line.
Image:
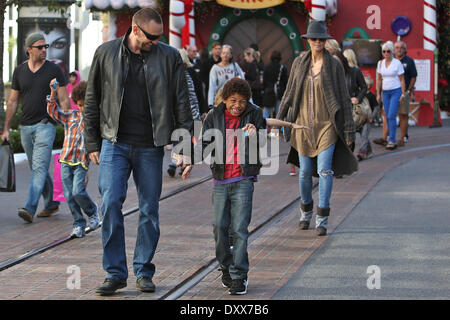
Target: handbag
[(58, 191), (7, 168), (362, 113)]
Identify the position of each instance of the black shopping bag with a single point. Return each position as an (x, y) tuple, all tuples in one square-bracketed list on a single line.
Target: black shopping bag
[(7, 168)]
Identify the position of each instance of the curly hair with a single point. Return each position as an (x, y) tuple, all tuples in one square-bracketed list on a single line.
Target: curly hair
[(236, 85), (79, 91)]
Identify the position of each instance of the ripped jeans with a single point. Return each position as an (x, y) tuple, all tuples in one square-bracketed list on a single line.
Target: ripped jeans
[(324, 163)]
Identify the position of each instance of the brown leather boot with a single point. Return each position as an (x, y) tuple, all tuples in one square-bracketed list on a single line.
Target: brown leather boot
[(47, 213)]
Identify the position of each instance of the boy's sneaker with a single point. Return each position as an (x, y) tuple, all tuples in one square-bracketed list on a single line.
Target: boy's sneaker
[(239, 287), (94, 220), (226, 278), (77, 232), (292, 173)]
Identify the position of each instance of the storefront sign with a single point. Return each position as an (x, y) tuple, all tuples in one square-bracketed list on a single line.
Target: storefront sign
[(250, 4)]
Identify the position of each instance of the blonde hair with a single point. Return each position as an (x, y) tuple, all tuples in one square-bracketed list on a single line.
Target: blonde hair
[(351, 57), (332, 45), (388, 44)]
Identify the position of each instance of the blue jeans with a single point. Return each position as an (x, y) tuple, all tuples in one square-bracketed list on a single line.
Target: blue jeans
[(268, 111), (324, 165), (37, 141), (116, 163), (391, 102), (233, 209), (73, 178)]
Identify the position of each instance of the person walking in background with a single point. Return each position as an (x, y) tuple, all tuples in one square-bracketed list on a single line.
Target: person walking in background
[(127, 125), (202, 68), (332, 46), (250, 70), (193, 102), (74, 80), (365, 150), (274, 83), (30, 87), (317, 97), (220, 73), (354, 80), (410, 80), (192, 53), (74, 160), (390, 84)]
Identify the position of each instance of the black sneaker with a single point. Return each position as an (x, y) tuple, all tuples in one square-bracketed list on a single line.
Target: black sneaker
[(239, 287), (321, 231), (171, 171), (145, 284), (226, 278), (304, 225), (110, 286)]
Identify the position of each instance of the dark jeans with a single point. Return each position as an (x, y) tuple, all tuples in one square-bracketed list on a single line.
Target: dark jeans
[(233, 211), (116, 163), (73, 178)]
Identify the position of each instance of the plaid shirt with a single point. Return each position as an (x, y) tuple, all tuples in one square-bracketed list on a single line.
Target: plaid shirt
[(74, 151)]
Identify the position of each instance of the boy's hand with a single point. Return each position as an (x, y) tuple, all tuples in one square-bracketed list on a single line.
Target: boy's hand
[(94, 157), (250, 128), (54, 86)]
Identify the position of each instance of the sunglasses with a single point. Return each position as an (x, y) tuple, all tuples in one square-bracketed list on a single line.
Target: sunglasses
[(46, 46), (149, 36), (317, 39), (386, 51)]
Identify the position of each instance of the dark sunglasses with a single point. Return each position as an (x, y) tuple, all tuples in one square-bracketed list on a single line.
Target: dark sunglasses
[(46, 46), (386, 51), (317, 39), (149, 36)]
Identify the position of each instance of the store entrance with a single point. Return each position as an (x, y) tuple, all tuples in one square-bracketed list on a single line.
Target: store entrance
[(263, 32)]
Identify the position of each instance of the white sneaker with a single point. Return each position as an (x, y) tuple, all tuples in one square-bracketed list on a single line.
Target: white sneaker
[(77, 232), (94, 220)]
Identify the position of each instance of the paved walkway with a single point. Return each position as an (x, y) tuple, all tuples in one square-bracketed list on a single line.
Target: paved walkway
[(277, 251)]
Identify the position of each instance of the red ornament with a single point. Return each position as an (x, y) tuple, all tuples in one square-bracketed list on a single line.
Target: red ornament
[(185, 32), (356, 35), (308, 5)]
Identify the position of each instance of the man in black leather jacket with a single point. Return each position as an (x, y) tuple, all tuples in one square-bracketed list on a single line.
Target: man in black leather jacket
[(136, 97)]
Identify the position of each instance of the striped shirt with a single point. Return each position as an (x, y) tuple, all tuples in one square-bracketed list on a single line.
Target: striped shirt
[(74, 151)]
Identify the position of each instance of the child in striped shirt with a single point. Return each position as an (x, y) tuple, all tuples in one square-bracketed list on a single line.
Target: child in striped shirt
[(74, 160)]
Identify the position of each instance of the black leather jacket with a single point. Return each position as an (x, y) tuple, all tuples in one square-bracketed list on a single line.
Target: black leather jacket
[(166, 90), (216, 120)]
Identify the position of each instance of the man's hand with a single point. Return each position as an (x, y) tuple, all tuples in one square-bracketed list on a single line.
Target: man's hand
[(94, 157), (5, 135)]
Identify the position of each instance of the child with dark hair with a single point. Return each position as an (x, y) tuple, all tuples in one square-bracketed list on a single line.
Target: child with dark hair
[(233, 180), (74, 160)]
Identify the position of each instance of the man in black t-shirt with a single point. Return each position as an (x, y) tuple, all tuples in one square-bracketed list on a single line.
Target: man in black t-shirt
[(30, 86)]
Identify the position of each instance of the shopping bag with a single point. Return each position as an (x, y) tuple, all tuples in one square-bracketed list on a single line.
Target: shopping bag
[(58, 193), (7, 168)]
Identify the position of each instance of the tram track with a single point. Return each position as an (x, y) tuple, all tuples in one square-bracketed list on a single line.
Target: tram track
[(185, 285), (10, 262)]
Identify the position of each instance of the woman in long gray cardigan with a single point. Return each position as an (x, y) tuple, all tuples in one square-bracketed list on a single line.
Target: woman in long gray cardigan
[(317, 97)]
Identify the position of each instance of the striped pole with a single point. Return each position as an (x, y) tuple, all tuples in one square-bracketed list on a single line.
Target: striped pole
[(318, 10), (176, 22), (429, 24)]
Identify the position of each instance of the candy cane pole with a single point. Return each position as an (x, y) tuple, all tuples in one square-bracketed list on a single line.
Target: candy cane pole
[(192, 27), (429, 24), (176, 22), (318, 10)]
